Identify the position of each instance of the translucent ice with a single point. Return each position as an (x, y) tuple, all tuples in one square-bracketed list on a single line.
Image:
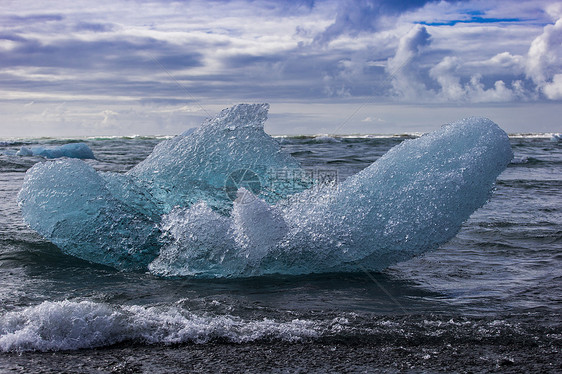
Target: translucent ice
[(71, 150), (112, 218), (411, 200), (202, 242), (70, 204), (196, 165), (174, 214)]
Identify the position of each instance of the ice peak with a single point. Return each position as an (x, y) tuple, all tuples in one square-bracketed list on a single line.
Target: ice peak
[(241, 115)]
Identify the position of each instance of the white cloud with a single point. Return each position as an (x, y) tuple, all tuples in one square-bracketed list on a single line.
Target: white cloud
[(500, 64), (544, 58), (554, 10), (373, 120), (403, 67), (445, 74), (409, 84), (553, 90), (474, 91), (108, 116), (478, 94), (359, 16)]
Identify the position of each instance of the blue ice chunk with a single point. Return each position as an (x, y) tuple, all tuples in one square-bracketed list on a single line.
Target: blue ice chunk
[(69, 203), (25, 152), (71, 150), (196, 166), (173, 212), (257, 226), (114, 219), (411, 200)]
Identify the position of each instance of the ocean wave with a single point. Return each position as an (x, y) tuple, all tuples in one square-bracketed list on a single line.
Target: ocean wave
[(70, 325), (532, 135), (73, 325)]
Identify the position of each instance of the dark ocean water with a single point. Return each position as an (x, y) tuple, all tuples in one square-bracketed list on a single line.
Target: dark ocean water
[(488, 300)]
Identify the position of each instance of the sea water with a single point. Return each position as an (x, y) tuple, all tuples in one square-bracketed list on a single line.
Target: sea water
[(489, 299)]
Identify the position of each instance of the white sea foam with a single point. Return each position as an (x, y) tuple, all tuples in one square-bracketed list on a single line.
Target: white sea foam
[(69, 325), (531, 135)]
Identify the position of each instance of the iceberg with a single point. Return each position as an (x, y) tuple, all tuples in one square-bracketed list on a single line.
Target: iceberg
[(210, 202), (72, 150)]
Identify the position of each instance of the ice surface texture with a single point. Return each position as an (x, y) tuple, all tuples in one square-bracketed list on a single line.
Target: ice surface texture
[(174, 214), (411, 200), (194, 166), (70, 204)]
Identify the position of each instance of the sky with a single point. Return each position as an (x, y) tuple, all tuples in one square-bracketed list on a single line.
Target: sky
[(124, 67)]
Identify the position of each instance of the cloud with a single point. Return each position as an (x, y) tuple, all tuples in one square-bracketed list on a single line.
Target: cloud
[(12, 37), (259, 51), (500, 78), (477, 93), (403, 67), (500, 64), (355, 16), (473, 91), (146, 63), (373, 120), (115, 54), (108, 116), (31, 19), (553, 89), (544, 59), (445, 74), (94, 27)]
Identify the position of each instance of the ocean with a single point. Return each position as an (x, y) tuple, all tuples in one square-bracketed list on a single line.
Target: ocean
[(489, 300)]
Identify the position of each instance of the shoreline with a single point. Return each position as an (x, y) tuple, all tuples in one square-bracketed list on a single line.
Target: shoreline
[(339, 357)]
